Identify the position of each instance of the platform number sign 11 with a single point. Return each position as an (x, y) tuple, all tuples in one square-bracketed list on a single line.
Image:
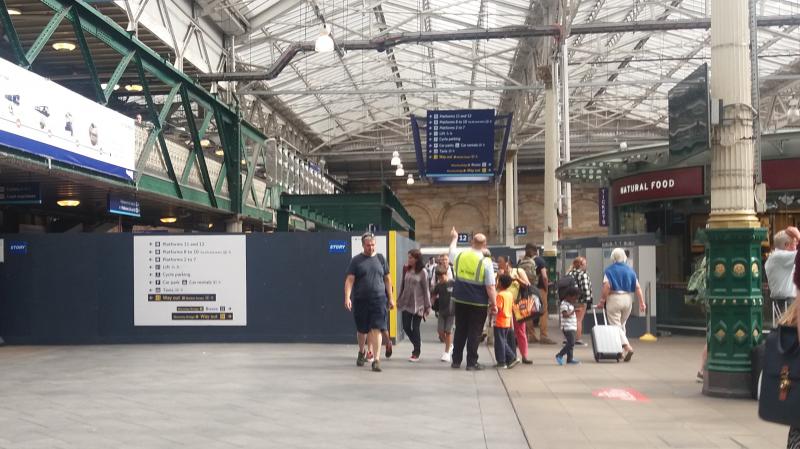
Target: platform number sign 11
[(520, 230), (463, 237)]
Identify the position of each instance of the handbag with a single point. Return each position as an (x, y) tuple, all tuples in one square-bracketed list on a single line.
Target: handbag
[(525, 307), (779, 399)]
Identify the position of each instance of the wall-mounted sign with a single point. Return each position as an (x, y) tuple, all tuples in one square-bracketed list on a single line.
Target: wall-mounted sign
[(602, 206), (21, 193), (337, 247), (41, 117), (520, 230), (460, 143), (124, 206), (17, 247), (677, 183), (196, 280), (464, 237)]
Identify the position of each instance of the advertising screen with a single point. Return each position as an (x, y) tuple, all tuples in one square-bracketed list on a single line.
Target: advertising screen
[(43, 118), (689, 114)]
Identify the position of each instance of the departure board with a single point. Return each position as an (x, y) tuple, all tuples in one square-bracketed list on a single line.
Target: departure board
[(460, 143)]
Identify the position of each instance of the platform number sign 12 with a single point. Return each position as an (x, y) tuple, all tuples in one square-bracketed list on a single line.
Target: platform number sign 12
[(520, 230), (463, 237)]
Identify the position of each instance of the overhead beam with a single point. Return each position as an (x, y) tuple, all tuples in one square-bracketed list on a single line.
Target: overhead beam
[(387, 41)]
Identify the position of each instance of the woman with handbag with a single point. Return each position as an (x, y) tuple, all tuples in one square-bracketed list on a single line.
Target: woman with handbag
[(414, 299), (518, 288)]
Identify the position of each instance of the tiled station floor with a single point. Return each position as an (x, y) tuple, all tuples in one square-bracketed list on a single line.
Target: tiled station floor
[(313, 396)]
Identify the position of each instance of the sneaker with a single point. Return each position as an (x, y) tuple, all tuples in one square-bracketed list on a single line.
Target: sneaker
[(455, 365), (500, 366), (389, 351), (414, 358), (370, 357), (546, 341), (376, 366), (574, 362), (700, 377), (475, 367), (527, 362), (580, 343), (361, 360), (446, 357), (514, 363), (560, 360)]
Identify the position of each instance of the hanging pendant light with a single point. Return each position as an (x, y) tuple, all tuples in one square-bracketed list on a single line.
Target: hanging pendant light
[(400, 171), (324, 42), (410, 180), (395, 159)]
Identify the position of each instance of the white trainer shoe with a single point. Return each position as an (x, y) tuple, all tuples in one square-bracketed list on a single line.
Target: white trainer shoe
[(446, 357)]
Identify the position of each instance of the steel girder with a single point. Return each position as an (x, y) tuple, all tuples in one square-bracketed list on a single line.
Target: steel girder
[(233, 131)]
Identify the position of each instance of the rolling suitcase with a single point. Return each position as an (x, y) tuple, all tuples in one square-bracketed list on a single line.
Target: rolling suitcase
[(606, 342)]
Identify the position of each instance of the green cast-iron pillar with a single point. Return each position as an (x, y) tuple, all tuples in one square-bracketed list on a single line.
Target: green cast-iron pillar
[(735, 303), (734, 232)]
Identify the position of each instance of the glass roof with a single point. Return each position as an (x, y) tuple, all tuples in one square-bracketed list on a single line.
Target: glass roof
[(618, 81)]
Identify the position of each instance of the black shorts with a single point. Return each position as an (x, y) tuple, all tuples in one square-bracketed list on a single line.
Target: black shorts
[(370, 314)]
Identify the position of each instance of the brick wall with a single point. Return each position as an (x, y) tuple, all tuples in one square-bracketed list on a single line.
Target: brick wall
[(473, 208)]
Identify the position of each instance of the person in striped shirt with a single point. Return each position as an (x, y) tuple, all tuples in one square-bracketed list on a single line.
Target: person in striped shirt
[(584, 302)]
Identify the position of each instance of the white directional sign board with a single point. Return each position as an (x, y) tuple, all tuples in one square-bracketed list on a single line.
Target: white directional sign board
[(191, 280)]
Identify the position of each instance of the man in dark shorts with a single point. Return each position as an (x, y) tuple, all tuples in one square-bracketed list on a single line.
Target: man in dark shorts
[(368, 293)]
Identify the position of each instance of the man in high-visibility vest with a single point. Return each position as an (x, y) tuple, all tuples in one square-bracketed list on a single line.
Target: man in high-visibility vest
[(473, 295)]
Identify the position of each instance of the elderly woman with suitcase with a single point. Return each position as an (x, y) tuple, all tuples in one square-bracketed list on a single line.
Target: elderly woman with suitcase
[(619, 286)]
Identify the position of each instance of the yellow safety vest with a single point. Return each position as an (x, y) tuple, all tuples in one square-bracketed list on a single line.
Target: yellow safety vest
[(469, 268), (470, 276)]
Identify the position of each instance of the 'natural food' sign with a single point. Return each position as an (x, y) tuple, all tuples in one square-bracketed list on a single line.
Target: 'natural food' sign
[(678, 183)]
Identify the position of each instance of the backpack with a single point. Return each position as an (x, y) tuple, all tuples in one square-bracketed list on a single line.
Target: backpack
[(529, 267), (564, 282)]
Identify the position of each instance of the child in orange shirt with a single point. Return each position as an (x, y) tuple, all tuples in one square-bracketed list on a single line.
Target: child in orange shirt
[(505, 356)]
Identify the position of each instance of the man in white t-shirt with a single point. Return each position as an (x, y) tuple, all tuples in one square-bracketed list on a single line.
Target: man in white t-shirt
[(780, 266)]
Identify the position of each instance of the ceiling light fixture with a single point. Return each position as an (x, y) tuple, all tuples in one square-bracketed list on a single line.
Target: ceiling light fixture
[(134, 87), (68, 203), (395, 159), (205, 142), (400, 171), (14, 12), (64, 46), (410, 180), (168, 220), (105, 85), (219, 152), (324, 42)]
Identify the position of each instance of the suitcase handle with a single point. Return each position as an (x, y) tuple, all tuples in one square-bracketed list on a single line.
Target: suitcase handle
[(594, 314)]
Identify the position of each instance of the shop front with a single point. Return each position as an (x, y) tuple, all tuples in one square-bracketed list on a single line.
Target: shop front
[(648, 193)]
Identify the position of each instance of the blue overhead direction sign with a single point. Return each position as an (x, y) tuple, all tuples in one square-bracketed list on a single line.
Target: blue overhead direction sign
[(460, 143), (124, 206), (20, 193)]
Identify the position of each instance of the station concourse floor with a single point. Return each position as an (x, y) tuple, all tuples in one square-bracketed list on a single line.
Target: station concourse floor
[(313, 396)]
